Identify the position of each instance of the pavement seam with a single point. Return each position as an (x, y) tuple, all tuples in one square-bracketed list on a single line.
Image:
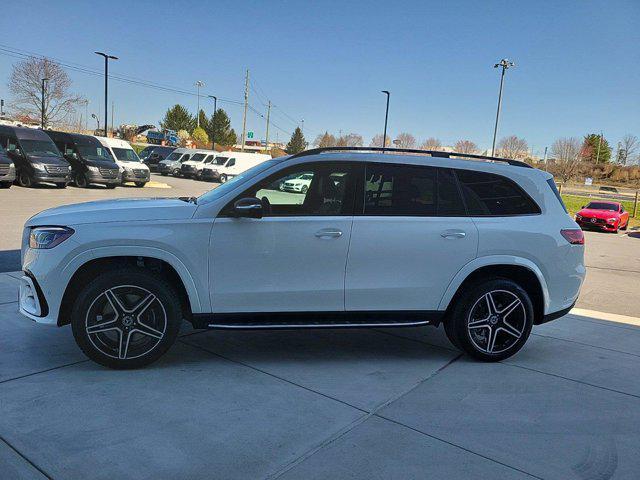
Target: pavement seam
[(571, 379), (586, 344), (25, 458), (42, 371), (613, 269), (8, 303)]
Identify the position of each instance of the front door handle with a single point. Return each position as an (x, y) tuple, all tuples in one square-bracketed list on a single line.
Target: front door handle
[(453, 234), (328, 233)]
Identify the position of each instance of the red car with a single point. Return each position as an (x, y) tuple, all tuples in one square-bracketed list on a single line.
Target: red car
[(607, 216)]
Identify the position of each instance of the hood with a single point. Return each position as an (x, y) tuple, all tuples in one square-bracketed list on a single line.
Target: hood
[(604, 214), (122, 210), (108, 164), (137, 165), (47, 159)]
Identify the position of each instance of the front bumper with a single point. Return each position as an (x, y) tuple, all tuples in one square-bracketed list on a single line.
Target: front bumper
[(96, 177), (208, 174), (135, 176), (44, 177), (588, 224), (31, 300)]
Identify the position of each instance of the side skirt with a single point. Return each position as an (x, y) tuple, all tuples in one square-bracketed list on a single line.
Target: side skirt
[(295, 320)]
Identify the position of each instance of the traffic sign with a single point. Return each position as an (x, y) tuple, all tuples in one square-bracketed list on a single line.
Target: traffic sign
[(249, 134)]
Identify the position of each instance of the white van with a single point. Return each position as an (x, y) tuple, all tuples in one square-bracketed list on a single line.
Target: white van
[(192, 168), (131, 167), (171, 164), (229, 164)]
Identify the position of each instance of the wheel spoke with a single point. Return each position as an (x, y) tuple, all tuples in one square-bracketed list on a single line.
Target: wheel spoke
[(510, 329), (102, 327), (123, 345), (510, 308), (142, 305), (115, 302), (147, 330), (491, 306), (483, 322), (491, 339)]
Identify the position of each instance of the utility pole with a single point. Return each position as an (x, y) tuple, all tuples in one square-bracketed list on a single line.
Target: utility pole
[(266, 142), (302, 126), (545, 158), (106, 86), (44, 80), (504, 64), (386, 117), (198, 84), (599, 144), (213, 127), (246, 104)]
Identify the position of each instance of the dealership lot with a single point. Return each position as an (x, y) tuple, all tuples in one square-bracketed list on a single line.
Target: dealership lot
[(362, 403)]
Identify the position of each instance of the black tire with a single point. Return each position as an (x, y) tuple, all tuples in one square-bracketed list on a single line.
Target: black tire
[(626, 225), (24, 179), (491, 339), (304, 189), (164, 174), (111, 186), (61, 185), (160, 319), (140, 184), (5, 185), (80, 180), (223, 178)]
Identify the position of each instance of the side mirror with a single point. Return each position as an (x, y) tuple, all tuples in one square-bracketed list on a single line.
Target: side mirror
[(250, 207), (18, 152), (583, 206)]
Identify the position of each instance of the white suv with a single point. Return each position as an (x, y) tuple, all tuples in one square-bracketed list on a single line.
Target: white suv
[(483, 246)]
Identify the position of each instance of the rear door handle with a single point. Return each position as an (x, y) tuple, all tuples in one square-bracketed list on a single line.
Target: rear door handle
[(453, 234), (328, 233)]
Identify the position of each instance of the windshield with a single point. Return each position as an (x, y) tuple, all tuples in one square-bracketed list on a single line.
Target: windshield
[(125, 154), (174, 156), (93, 152), (603, 206), (145, 152), (39, 147), (185, 157), (220, 160), (198, 157), (233, 182)]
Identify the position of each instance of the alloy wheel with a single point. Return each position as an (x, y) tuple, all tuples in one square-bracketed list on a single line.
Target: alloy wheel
[(496, 321), (126, 322)]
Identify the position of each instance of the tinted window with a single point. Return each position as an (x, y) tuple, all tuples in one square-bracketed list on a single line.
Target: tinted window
[(487, 194), (198, 157), (603, 206), (450, 202), (125, 154)]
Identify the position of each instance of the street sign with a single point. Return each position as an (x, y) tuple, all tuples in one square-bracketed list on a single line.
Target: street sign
[(249, 134)]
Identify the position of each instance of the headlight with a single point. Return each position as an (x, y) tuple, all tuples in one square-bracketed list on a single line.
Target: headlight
[(48, 237), (12, 166), (39, 166), (611, 220), (94, 169)]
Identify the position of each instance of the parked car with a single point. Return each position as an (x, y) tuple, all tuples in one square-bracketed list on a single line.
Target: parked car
[(171, 165), (153, 154), (298, 185), (607, 216), (132, 168), (7, 169), (485, 248), (35, 156), (230, 164), (89, 159), (192, 168)]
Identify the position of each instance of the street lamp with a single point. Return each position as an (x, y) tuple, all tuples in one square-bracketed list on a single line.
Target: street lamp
[(386, 116), (106, 85), (198, 84), (93, 115), (505, 64), (213, 128), (42, 110)]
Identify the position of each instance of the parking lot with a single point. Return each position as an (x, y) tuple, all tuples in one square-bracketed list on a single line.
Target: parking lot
[(363, 403)]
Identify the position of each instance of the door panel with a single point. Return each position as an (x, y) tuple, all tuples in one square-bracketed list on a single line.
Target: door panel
[(405, 263)]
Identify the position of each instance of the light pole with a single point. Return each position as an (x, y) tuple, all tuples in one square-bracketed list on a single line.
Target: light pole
[(505, 64), (93, 115), (386, 116), (106, 87), (44, 80), (213, 127), (198, 84)]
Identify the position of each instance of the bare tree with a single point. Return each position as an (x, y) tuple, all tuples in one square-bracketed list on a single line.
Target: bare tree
[(628, 146), (25, 85), (350, 140), (325, 140), (405, 140), (376, 141), (567, 155), (431, 143), (465, 146), (513, 147)]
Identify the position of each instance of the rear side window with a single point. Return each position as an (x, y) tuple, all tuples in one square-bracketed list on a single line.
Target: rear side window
[(552, 184), (487, 194)]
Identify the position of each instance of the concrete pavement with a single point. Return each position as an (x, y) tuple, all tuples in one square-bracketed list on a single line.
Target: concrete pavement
[(361, 404)]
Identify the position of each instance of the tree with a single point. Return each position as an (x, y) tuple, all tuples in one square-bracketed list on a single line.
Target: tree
[(200, 137), (204, 121), (325, 140), (376, 141), (220, 129), (184, 137), (465, 146), (178, 118), (297, 142), (405, 140), (431, 143), (567, 156), (628, 147), (513, 147), (350, 140), (25, 85), (596, 149)]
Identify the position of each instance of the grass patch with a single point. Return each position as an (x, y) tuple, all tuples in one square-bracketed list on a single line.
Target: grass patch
[(575, 202)]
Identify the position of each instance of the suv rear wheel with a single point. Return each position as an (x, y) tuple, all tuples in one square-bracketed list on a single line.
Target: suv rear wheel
[(491, 320), (126, 318)]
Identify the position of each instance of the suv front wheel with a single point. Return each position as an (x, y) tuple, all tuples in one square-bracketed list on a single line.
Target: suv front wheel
[(126, 318), (491, 320)]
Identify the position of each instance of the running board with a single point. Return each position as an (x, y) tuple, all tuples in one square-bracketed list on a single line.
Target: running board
[(295, 320)]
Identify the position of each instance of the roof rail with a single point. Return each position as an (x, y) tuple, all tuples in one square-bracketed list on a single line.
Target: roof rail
[(432, 153)]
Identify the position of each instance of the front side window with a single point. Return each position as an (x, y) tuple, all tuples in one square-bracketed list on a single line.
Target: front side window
[(487, 194), (174, 156), (220, 160), (231, 162)]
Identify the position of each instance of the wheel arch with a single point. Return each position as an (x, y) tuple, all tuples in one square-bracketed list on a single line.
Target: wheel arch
[(522, 271)]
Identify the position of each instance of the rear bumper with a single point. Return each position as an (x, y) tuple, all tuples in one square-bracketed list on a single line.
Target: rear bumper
[(555, 315)]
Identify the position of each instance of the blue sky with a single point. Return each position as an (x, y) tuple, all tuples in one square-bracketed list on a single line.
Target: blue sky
[(578, 63)]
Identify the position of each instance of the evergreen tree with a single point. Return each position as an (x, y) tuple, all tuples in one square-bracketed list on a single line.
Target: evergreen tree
[(178, 118), (200, 137), (204, 121), (219, 129), (297, 142), (590, 148)]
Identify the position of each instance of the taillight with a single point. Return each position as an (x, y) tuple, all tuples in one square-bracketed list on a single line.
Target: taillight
[(574, 236)]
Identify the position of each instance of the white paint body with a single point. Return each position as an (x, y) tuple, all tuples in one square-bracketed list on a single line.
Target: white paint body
[(237, 163), (277, 264), (125, 165)]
